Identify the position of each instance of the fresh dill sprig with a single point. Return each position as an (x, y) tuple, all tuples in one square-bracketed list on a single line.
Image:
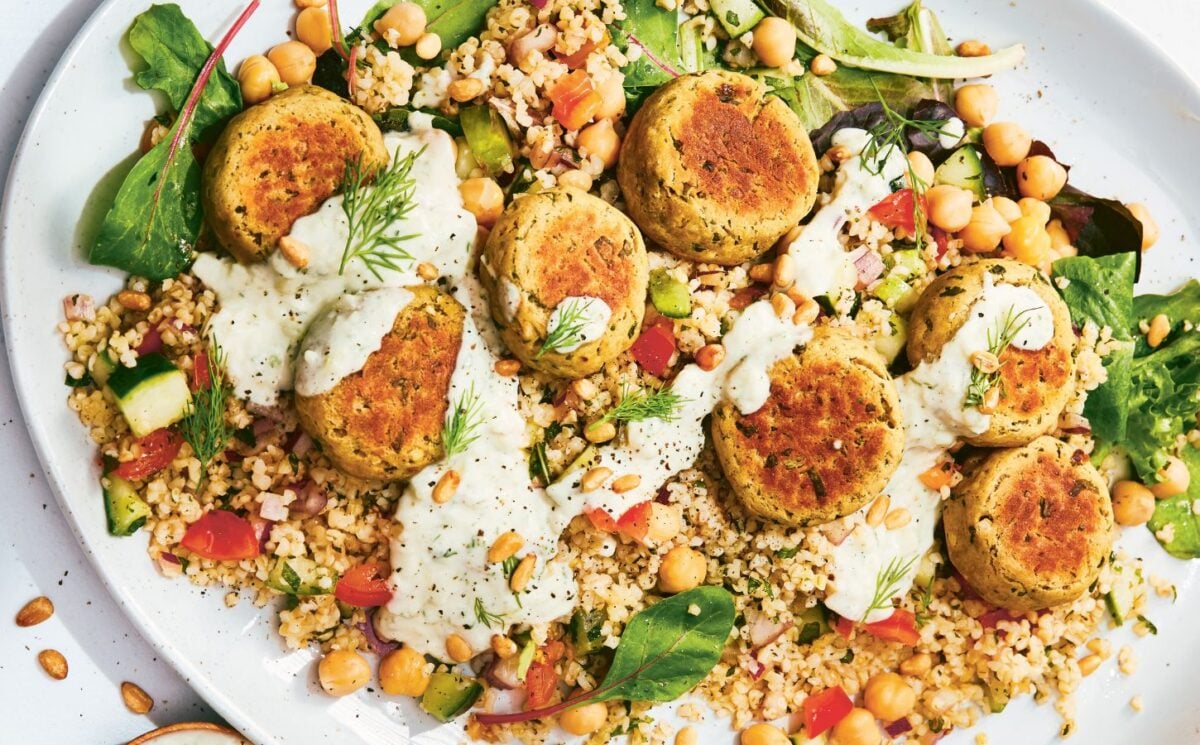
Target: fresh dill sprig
[(204, 426), (926, 598), (462, 423), (641, 405), (887, 584), (372, 207), (571, 321), (998, 339), (485, 616), (892, 135)]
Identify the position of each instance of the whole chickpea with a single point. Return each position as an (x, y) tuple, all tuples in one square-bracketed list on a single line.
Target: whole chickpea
[(763, 734), (682, 569), (888, 697), (576, 179), (1036, 209), (343, 671), (483, 198), (1028, 242), (310, 3), (295, 62), (313, 28), (612, 96), (857, 728), (921, 167), (583, 720), (1133, 503), (774, 41), (1149, 226), (601, 140), (406, 20), (257, 78), (1006, 143), (976, 104), (1174, 479), (404, 672), (1041, 177), (985, 231), (1007, 208), (949, 207), (665, 523)]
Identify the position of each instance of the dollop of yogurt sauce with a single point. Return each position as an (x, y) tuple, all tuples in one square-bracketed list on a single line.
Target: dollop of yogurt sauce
[(932, 399), (587, 319), (823, 265)]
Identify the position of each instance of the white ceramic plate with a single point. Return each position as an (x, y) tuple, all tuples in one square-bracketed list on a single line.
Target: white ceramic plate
[(1101, 95)]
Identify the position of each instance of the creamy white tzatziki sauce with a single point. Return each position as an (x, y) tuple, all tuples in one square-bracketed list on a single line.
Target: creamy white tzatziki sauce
[(823, 266), (587, 319), (266, 308), (932, 400)]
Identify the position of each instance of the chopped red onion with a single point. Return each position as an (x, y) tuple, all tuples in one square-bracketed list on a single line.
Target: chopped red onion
[(169, 564), (262, 530), (869, 265), (262, 426), (836, 532), (151, 343), (898, 727), (755, 668), (763, 630), (302, 444), (539, 4), (502, 673), (79, 308), (377, 645), (310, 499), (272, 507)]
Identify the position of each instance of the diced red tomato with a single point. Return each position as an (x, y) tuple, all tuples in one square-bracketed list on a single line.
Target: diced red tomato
[(364, 586), (541, 681), (579, 58), (635, 523), (200, 375), (843, 626), (897, 211), (655, 347), (900, 627), (151, 342), (942, 238), (158, 449), (575, 100), (824, 709), (940, 475), (601, 520), (221, 535)]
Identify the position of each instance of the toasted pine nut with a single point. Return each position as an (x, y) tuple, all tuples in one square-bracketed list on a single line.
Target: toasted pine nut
[(446, 486), (879, 510), (710, 356), (985, 361), (917, 665), (465, 89), (1101, 647), (584, 389), (973, 48), (296, 252), (133, 300), (1160, 326), (523, 573), (594, 479), (600, 432), (625, 483), (822, 65), (783, 305), (764, 273), (507, 368), (1089, 664), (35, 611), (505, 546), (53, 662), (991, 401), (839, 153), (897, 518), (785, 271), (458, 648), (427, 271), (503, 646), (784, 243), (136, 700), (807, 311)]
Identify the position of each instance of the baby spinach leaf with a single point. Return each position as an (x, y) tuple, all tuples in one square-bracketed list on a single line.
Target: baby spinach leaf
[(655, 33), (1101, 291), (151, 228), (664, 652), (454, 21), (824, 28), (1179, 513)]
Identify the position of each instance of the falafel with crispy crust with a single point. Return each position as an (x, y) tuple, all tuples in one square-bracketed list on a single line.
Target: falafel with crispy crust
[(278, 161), (715, 169), (559, 244), (1035, 384), (827, 440), (1029, 527), (385, 421)]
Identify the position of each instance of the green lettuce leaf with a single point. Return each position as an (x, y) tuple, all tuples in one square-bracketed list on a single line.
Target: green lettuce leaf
[(151, 228), (454, 21), (1101, 292), (1178, 512), (918, 29), (824, 28), (817, 99)]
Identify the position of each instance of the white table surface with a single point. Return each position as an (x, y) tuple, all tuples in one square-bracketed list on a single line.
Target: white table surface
[(38, 552)]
